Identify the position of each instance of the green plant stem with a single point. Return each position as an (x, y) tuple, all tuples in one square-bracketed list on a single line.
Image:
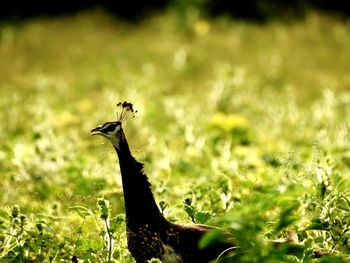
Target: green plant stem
[(80, 233), (19, 241), (109, 241), (20, 250)]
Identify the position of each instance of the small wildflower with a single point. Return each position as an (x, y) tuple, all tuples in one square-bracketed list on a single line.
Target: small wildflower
[(104, 208), (228, 122)]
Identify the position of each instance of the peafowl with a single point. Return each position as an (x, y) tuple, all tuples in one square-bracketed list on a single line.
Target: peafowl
[(149, 233)]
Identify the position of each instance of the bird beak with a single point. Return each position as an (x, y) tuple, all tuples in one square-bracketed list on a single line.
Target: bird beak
[(96, 131)]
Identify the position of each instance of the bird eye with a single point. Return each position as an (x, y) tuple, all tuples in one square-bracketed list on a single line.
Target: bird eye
[(109, 127)]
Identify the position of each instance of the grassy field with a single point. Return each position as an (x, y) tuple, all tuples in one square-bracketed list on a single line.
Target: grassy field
[(240, 125)]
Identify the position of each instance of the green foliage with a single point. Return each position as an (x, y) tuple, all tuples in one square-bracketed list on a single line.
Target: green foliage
[(26, 241), (154, 260), (242, 127), (213, 237)]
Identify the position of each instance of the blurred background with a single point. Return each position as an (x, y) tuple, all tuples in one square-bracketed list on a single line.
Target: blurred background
[(243, 108)]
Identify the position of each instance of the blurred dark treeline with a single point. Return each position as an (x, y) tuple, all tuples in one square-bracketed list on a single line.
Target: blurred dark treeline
[(132, 9)]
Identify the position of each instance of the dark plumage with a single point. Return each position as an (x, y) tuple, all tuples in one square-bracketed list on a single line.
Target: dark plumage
[(149, 234)]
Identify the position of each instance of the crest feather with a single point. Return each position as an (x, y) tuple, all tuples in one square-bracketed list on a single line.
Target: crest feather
[(125, 111)]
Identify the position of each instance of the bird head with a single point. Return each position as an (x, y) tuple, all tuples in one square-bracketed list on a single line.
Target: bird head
[(112, 130)]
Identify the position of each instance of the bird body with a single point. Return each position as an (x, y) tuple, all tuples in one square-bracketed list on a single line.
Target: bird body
[(149, 234)]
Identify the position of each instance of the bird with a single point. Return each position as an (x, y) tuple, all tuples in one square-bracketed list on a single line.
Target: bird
[(149, 233)]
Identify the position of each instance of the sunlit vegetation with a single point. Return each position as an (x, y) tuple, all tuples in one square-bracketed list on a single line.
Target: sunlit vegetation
[(241, 126)]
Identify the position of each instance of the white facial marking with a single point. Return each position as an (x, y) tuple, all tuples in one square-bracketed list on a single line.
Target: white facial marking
[(115, 131), (113, 136)]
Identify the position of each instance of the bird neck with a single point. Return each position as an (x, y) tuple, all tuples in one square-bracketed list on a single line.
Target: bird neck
[(140, 205)]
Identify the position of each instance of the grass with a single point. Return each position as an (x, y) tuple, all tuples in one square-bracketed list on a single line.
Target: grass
[(240, 125)]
